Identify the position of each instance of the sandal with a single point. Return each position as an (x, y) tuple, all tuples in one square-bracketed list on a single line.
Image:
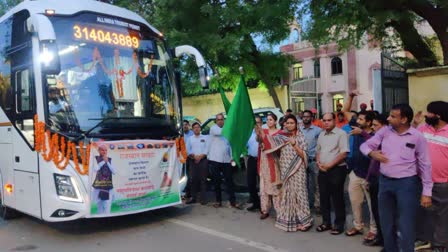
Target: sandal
[(305, 228), (263, 216), (336, 231), (370, 237), (323, 227), (353, 232)]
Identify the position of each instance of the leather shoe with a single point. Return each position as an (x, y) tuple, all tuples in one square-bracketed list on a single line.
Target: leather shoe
[(374, 242), (264, 216), (253, 208)]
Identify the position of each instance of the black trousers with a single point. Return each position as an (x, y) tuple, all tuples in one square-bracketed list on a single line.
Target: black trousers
[(225, 169), (331, 189), (188, 186), (432, 224), (373, 191), (198, 175), (251, 176)]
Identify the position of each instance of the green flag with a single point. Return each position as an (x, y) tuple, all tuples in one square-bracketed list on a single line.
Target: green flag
[(240, 122), (225, 101)]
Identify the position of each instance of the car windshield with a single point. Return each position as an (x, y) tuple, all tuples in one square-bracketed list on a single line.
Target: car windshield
[(115, 78)]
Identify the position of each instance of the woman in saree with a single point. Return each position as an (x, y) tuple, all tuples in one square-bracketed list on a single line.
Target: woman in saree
[(294, 212), (269, 172)]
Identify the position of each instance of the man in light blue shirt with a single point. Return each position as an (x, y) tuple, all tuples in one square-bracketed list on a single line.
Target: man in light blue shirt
[(311, 133), (219, 158), (252, 171), (197, 148), (187, 131)]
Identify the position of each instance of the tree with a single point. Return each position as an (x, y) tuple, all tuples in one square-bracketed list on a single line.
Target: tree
[(224, 32), (5, 5), (348, 21)]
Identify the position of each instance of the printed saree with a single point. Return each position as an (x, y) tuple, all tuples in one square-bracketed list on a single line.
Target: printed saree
[(293, 211)]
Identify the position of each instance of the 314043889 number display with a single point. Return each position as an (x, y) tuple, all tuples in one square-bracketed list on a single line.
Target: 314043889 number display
[(106, 37)]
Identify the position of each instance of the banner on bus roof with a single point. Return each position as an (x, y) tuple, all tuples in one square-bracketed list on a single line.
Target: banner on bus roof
[(132, 176)]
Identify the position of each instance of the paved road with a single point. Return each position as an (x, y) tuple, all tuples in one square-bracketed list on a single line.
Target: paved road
[(184, 228)]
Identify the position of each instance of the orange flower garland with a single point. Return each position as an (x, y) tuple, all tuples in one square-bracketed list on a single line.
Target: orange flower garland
[(181, 149), (59, 150)]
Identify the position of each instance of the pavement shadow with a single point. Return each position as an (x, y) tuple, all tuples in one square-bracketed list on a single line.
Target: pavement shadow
[(112, 224)]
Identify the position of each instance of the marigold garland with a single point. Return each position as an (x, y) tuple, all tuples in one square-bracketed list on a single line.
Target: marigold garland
[(181, 149), (60, 151)]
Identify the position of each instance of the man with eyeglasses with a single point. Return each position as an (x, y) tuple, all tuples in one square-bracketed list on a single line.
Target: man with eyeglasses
[(311, 133), (252, 171), (219, 159)]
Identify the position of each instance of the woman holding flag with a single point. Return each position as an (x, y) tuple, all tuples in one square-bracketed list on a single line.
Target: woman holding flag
[(289, 148), (269, 172)]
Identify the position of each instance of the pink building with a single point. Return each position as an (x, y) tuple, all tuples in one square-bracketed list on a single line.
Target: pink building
[(322, 78)]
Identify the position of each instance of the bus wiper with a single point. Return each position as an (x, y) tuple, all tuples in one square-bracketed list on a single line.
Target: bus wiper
[(103, 120)]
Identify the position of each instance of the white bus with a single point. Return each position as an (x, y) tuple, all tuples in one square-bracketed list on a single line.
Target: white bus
[(90, 73)]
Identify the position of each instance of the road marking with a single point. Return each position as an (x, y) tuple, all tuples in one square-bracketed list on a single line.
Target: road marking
[(226, 236)]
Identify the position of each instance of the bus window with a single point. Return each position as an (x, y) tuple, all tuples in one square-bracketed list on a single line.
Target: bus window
[(6, 91), (25, 97), (20, 54)]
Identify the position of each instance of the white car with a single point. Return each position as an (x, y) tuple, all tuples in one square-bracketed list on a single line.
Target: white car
[(261, 112)]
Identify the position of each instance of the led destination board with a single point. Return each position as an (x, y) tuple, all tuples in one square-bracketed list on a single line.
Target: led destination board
[(102, 36)]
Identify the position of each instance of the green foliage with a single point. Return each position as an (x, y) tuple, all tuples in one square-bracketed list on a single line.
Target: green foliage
[(5, 5), (224, 32), (389, 22)]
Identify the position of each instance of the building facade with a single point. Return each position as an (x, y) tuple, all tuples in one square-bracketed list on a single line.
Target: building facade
[(323, 77)]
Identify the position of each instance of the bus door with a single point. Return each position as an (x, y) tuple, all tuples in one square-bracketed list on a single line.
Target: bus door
[(6, 128), (25, 161)]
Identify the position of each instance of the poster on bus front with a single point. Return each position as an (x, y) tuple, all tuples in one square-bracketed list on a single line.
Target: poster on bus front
[(132, 176)]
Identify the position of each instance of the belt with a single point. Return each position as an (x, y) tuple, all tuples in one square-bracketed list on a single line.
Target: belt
[(251, 156), (390, 178), (311, 159)]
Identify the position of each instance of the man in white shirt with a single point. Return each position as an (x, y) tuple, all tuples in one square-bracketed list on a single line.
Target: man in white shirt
[(187, 134), (219, 158), (197, 157), (252, 171), (55, 103)]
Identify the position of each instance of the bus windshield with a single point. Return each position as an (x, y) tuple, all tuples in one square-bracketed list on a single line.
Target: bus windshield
[(116, 78)]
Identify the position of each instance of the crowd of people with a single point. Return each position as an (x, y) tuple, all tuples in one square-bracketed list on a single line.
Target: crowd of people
[(398, 164)]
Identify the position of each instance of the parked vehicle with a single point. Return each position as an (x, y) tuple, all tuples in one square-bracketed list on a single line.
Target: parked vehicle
[(239, 175), (92, 75), (261, 112)]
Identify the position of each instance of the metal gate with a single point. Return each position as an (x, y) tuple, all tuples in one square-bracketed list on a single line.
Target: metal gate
[(304, 94), (394, 81)]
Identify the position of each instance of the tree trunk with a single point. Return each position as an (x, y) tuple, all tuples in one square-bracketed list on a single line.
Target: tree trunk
[(255, 60), (442, 34), (272, 93), (413, 42), (437, 18)]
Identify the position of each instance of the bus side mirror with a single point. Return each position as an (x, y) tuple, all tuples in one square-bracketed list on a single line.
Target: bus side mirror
[(203, 77), (200, 62), (49, 58), (41, 26)]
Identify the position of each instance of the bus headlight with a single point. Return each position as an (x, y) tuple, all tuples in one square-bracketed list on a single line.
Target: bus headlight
[(66, 188)]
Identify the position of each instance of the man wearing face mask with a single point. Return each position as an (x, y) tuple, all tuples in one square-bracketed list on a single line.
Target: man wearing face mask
[(436, 132)]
